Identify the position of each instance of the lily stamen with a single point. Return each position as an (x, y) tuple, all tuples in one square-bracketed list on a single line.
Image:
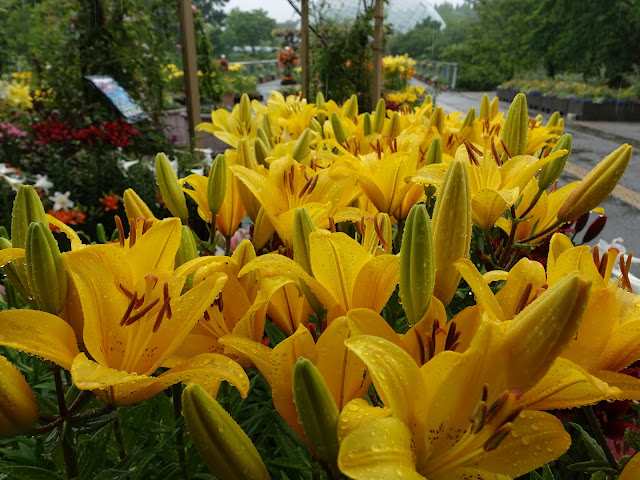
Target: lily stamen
[(141, 313), (496, 156), (163, 309), (126, 292), (498, 436), (132, 232), (120, 230), (524, 298), (148, 223), (332, 225), (129, 309), (505, 149)]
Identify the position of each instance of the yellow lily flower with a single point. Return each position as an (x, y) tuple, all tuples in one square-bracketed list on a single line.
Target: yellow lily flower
[(345, 274), (342, 371), (287, 185), (230, 127), (456, 417), (135, 316)]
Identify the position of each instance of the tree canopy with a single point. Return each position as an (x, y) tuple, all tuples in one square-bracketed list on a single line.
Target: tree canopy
[(251, 28)]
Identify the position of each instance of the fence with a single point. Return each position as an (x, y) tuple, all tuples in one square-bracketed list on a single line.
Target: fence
[(444, 73), (260, 68)]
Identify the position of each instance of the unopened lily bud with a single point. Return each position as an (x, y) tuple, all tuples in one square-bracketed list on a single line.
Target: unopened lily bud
[(317, 410), (540, 333), (597, 185), (516, 127), (261, 150), (367, 125), (246, 158), (552, 170), (338, 128), (135, 207), (302, 147), (393, 127), (321, 115), (484, 108), (427, 100), (268, 128), (315, 126), (222, 444), (4, 233), (244, 109), (379, 116), (554, 119), (538, 118), (451, 229), (46, 274), (417, 264), (302, 227), (262, 135), (469, 118), (217, 184), (170, 188), (494, 106), (188, 249), (11, 270), (437, 120), (18, 409), (351, 107), (434, 154), (27, 208)]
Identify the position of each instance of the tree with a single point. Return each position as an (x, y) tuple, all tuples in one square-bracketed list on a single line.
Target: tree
[(248, 29)]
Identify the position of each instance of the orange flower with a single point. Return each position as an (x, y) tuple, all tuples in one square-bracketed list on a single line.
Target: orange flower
[(110, 202)]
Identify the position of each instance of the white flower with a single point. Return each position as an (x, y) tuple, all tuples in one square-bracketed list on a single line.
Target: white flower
[(61, 201), (14, 182), (6, 168), (198, 171), (174, 164), (43, 183), (207, 155), (124, 165)]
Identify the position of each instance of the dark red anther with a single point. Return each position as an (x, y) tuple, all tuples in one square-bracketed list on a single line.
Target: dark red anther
[(596, 227)]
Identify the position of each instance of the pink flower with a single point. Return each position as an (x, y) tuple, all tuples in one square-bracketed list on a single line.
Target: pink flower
[(241, 234)]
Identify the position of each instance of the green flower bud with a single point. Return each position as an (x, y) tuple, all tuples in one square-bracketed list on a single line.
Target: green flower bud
[(135, 207), (188, 249), (379, 116), (27, 208), (262, 152), (316, 127), (262, 135), (18, 409), (302, 227), (317, 410), (217, 184), (516, 127), (393, 127), (12, 268), (46, 275), (351, 107), (4, 233), (494, 106), (552, 170), (417, 264), (554, 120), (484, 108), (437, 120), (469, 118), (302, 147), (101, 235), (268, 128), (367, 126), (170, 188), (434, 154), (244, 109), (338, 128), (222, 444), (321, 115)]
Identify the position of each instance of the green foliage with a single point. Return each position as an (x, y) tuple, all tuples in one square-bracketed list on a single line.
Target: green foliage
[(248, 29)]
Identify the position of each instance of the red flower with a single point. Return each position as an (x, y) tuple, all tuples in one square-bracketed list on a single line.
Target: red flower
[(68, 217), (110, 202)]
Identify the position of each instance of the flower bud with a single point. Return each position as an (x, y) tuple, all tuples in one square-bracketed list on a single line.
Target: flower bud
[(135, 207), (27, 208), (351, 107), (18, 409), (188, 249), (540, 333), (417, 265), (262, 135), (379, 116), (268, 128), (552, 170), (10, 254), (302, 227), (554, 120), (494, 107), (469, 118), (317, 410), (516, 127), (321, 115), (46, 275), (315, 126), (246, 158), (339, 132), (597, 185), (244, 109), (437, 120), (302, 146), (451, 229), (222, 444), (367, 126), (217, 184), (393, 127), (170, 188), (434, 154), (484, 108), (261, 150)]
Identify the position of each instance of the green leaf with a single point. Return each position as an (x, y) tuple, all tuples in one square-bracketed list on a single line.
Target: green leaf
[(632, 438), (274, 333), (591, 467), (595, 451), (112, 474), (92, 456), (29, 473)]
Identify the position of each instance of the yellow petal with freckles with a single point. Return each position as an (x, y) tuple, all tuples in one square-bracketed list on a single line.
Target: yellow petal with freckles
[(484, 295), (517, 454), (357, 413), (376, 282), (40, 334), (379, 450)]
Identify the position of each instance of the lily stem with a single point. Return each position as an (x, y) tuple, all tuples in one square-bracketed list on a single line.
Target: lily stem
[(599, 437), (176, 392), (68, 444)]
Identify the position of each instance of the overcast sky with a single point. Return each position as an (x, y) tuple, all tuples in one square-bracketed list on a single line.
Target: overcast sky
[(280, 10)]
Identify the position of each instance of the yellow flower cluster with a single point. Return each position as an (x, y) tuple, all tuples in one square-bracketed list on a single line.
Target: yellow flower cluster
[(23, 77), (16, 95), (236, 67), (399, 64), (409, 96), (459, 397)]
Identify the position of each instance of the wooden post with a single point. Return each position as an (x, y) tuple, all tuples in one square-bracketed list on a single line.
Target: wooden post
[(304, 54), (190, 66), (376, 89)]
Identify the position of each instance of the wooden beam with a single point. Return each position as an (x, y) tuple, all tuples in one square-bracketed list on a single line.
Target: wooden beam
[(304, 54), (189, 66), (376, 89)]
